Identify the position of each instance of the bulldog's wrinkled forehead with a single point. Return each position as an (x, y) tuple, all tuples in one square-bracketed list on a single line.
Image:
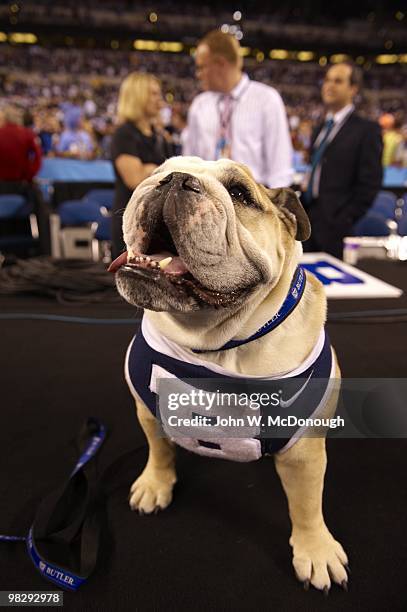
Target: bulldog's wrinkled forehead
[(219, 169)]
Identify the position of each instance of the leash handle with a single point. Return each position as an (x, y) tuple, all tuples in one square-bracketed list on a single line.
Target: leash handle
[(60, 526)]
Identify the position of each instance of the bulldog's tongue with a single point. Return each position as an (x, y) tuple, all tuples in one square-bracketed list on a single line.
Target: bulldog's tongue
[(118, 262), (176, 265)]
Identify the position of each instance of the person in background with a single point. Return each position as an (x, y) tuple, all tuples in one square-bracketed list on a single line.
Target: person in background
[(346, 170), (236, 117), (138, 144), (391, 137), (75, 142), (20, 154), (400, 155), (178, 127)]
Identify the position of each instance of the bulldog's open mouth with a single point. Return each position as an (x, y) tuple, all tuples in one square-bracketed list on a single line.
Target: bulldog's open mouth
[(162, 262)]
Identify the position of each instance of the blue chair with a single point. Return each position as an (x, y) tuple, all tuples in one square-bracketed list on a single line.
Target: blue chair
[(101, 243), (372, 224), (14, 206), (78, 212), (402, 226), (72, 228), (385, 204), (103, 197), (19, 232), (104, 229)]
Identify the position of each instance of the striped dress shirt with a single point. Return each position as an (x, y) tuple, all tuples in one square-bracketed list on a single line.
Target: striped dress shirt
[(260, 137)]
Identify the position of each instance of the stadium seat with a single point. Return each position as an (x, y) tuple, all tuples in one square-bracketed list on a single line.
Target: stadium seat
[(372, 224), (101, 245), (103, 197), (14, 205), (76, 222), (385, 204), (78, 212), (402, 226), (19, 225)]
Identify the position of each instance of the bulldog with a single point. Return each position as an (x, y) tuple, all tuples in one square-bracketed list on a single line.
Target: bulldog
[(213, 259)]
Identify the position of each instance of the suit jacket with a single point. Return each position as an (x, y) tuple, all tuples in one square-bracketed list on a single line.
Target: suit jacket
[(351, 176)]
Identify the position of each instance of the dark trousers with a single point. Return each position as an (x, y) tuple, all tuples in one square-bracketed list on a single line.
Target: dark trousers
[(326, 235)]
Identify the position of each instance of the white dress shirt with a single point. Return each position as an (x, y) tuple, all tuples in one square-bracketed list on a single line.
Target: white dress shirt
[(260, 136)]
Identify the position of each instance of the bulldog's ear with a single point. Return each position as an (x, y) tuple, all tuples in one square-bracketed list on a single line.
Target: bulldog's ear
[(287, 199)]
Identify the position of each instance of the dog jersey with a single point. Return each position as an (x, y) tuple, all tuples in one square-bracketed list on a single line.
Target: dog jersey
[(152, 357)]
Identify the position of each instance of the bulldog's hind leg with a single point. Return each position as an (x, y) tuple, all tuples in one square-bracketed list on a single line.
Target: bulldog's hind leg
[(152, 490), (317, 556)]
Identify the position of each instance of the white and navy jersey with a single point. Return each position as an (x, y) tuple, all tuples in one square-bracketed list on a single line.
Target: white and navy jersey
[(151, 356)]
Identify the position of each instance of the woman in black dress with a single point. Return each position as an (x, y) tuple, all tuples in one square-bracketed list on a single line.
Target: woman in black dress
[(138, 147)]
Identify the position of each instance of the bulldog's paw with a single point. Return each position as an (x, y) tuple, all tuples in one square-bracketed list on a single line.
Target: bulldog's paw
[(318, 558), (152, 491)]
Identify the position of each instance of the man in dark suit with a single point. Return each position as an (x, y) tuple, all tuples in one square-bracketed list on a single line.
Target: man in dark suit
[(346, 170)]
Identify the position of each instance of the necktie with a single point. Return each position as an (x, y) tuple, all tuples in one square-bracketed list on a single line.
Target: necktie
[(317, 156), (223, 145)]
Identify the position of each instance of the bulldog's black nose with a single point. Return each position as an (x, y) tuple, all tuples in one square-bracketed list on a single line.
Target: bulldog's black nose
[(183, 181)]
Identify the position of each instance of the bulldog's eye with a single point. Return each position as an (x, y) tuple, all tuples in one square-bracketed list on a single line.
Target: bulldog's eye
[(240, 194), (237, 192)]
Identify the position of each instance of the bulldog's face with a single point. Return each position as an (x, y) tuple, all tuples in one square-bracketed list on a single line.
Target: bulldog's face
[(204, 235)]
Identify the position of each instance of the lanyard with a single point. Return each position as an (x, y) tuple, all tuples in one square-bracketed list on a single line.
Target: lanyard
[(293, 298), (224, 142), (63, 540)]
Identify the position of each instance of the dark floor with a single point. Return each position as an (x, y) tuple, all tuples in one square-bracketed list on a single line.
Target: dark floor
[(223, 543)]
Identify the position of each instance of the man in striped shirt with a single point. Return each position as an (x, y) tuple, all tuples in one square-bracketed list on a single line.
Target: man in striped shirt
[(236, 117)]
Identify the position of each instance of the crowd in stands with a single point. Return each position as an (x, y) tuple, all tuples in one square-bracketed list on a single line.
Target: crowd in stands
[(69, 95), (348, 22)]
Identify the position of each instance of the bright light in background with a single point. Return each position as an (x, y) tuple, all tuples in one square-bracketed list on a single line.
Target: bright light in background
[(237, 15), (239, 35), (244, 51), (27, 38), (155, 45), (225, 28), (260, 56), (280, 54), (153, 17), (305, 56), (337, 58), (387, 59), (323, 61)]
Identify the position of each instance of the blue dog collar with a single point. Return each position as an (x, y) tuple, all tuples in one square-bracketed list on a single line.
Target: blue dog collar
[(293, 298)]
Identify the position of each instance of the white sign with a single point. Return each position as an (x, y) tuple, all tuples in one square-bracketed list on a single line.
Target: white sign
[(342, 280)]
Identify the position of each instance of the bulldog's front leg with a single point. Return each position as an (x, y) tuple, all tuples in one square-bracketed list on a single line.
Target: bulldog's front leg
[(152, 490), (317, 556)]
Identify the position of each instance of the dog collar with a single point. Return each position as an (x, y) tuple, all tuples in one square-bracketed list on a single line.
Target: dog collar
[(293, 298)]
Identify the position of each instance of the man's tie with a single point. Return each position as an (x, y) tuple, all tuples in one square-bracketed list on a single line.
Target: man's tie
[(223, 145), (316, 158)]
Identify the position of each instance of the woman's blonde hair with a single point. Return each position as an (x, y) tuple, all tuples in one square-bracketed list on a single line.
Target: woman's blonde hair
[(133, 96)]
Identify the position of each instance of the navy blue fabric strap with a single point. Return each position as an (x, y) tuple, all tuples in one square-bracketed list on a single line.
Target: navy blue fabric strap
[(68, 520), (291, 301)]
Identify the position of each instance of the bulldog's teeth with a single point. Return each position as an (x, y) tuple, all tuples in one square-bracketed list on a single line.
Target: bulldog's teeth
[(165, 262), (130, 254)]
